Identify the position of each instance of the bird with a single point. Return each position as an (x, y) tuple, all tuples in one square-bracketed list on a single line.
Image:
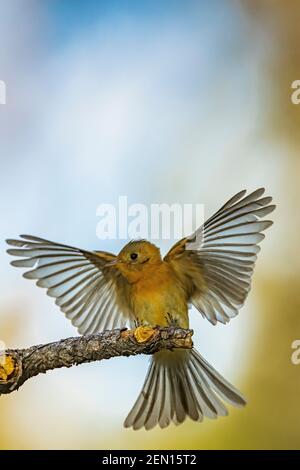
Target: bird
[(211, 270)]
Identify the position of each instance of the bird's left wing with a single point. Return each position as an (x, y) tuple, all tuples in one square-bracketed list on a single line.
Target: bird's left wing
[(84, 289), (216, 263)]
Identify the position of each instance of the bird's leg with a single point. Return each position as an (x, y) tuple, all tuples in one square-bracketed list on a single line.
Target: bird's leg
[(172, 320), (138, 322)]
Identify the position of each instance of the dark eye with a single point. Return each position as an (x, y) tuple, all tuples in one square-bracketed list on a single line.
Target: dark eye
[(133, 256)]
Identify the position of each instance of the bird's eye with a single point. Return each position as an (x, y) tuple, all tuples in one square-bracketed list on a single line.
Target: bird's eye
[(133, 256)]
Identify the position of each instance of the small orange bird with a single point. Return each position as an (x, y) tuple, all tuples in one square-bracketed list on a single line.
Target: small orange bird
[(211, 269)]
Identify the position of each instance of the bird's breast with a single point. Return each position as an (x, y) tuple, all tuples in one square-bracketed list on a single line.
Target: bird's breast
[(158, 298)]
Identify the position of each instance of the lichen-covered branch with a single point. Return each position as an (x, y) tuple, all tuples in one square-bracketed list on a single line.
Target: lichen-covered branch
[(19, 365)]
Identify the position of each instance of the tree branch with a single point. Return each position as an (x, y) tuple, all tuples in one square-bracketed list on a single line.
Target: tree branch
[(19, 365)]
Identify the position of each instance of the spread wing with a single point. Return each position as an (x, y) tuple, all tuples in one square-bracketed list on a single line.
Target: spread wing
[(219, 258), (84, 289)]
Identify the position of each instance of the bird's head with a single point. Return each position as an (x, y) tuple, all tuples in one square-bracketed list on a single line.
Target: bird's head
[(135, 258)]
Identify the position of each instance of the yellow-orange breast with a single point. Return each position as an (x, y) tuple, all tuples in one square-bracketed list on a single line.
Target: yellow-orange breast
[(158, 298)]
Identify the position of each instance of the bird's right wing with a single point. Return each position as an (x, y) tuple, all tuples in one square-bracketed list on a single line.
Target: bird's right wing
[(84, 288), (217, 260)]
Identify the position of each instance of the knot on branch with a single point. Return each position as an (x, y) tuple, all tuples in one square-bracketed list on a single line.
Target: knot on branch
[(19, 365), (10, 369)]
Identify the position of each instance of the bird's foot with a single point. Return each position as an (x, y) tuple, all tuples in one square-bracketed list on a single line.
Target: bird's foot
[(172, 320)]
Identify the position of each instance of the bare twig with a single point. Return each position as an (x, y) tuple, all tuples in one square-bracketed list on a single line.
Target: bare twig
[(19, 365)]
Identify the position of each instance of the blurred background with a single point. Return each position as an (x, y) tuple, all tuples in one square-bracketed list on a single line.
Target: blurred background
[(170, 101)]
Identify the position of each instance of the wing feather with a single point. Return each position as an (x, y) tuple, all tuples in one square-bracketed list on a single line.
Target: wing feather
[(83, 288), (220, 256)]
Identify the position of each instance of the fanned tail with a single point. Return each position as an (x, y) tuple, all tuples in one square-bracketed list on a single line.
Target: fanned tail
[(180, 384)]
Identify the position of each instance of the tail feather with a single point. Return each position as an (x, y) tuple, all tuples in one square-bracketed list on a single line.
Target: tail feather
[(180, 384), (165, 409), (220, 385), (209, 404), (139, 413)]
